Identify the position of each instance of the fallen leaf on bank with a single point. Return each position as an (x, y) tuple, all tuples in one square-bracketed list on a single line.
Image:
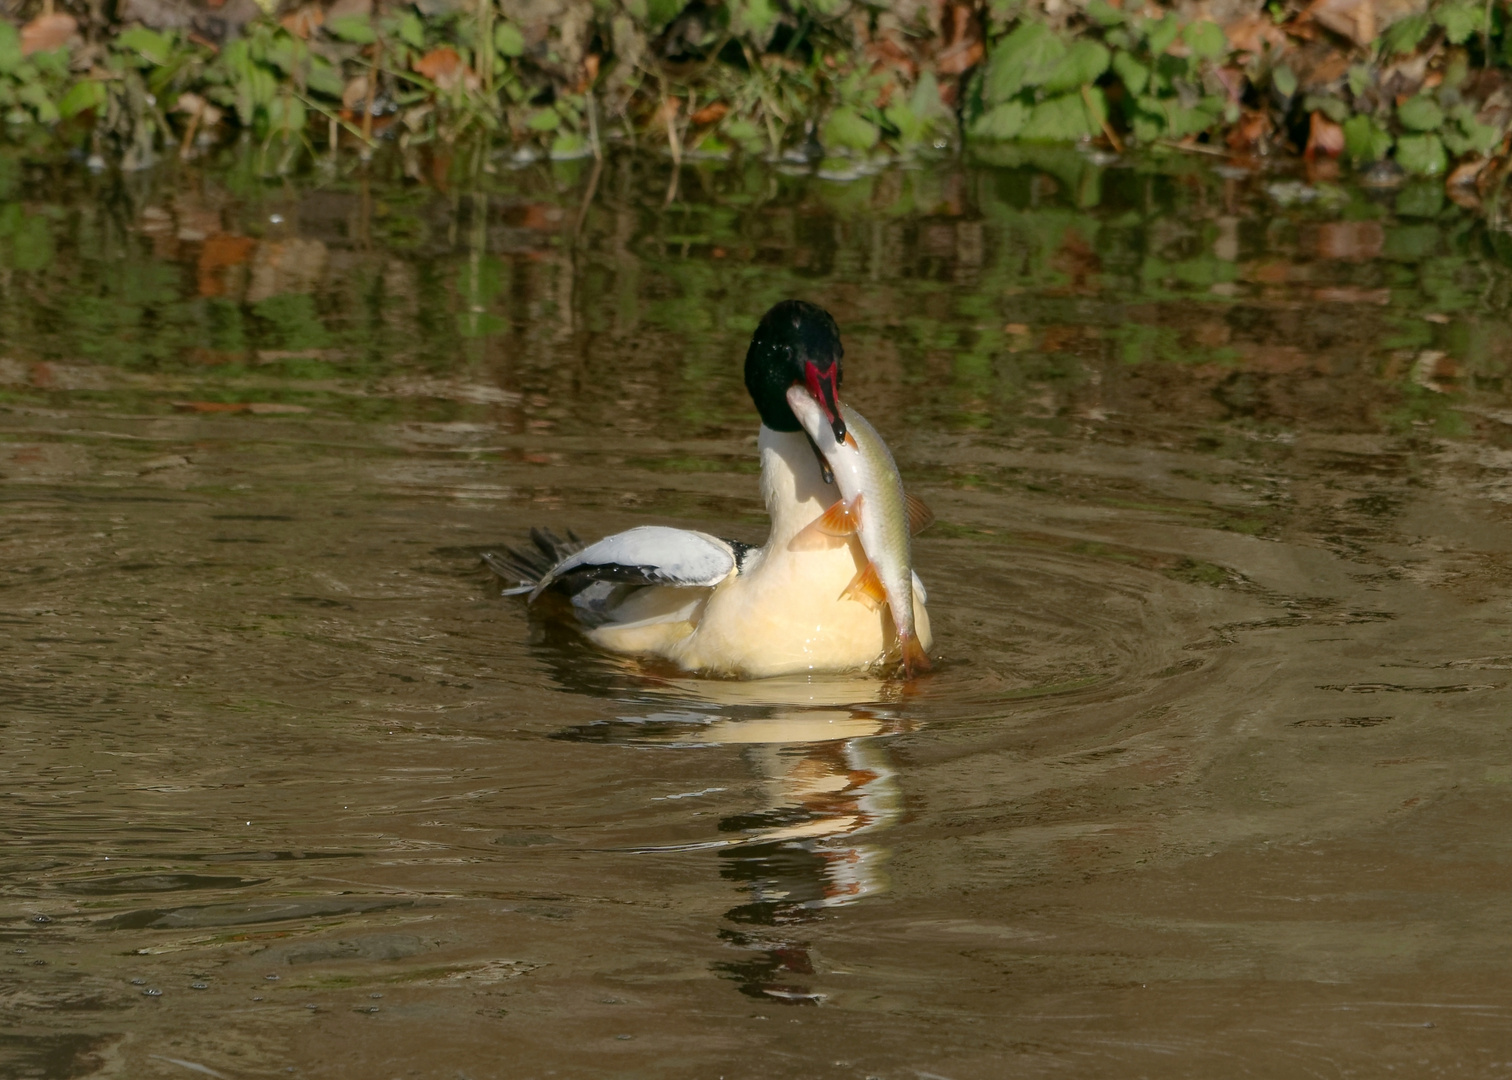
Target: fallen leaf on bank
[(48, 32), (1253, 127), (443, 66), (1324, 137), (1253, 32), (354, 94), (259, 408), (1466, 173), (710, 114), (303, 21), (1354, 19)]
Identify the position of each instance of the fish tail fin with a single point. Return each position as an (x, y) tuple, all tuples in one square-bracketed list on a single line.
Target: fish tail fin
[(840, 521), (915, 659), (866, 587)]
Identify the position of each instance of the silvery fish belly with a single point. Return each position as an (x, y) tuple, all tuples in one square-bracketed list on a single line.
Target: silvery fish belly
[(872, 507)]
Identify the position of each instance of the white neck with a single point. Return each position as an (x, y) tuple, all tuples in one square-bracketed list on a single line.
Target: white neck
[(791, 484)]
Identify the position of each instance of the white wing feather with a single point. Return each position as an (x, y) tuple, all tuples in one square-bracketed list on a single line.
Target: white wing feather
[(652, 554)]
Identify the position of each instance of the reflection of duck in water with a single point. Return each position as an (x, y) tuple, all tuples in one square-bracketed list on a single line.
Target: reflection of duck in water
[(828, 789), (718, 606)]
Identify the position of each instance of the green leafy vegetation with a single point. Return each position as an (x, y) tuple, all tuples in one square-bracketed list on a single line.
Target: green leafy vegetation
[(1419, 87)]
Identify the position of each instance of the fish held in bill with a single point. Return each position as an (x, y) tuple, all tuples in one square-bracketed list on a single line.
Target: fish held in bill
[(872, 507)]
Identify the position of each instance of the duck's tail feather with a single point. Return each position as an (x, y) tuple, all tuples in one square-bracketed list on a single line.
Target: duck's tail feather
[(521, 569)]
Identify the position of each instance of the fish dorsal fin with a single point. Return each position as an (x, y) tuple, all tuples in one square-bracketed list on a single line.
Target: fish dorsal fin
[(866, 587), (920, 517), (840, 521)]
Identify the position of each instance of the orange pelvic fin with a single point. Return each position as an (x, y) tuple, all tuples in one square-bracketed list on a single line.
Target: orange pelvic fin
[(915, 659), (920, 517), (866, 587), (840, 521)]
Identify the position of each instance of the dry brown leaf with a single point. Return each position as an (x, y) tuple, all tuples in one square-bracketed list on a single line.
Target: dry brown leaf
[(1354, 19), (1253, 32), (1324, 138), (303, 21), (48, 32), (355, 93), (710, 114), (1254, 126), (443, 67), (1466, 173)]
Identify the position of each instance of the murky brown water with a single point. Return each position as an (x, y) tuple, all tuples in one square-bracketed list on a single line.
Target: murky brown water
[(1214, 779)]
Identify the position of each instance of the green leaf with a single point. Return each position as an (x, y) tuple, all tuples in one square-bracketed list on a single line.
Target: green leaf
[(1023, 58), (1083, 63), (1063, 119), (152, 46), (1163, 34), (1330, 107), (1284, 80), (508, 40), (412, 31), (1423, 154), (1205, 39), (1404, 35), (754, 19), (1421, 113), (10, 48), (1365, 140), (83, 95), (740, 130), (1105, 14), (568, 146), (1481, 138), (324, 77), (357, 29), (1130, 72), (660, 12), (1361, 78), (1460, 20), (35, 95), (1003, 121), (544, 120), (286, 114), (848, 129)]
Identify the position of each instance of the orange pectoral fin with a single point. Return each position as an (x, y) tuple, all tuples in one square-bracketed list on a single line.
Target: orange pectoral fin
[(920, 517), (915, 659), (866, 587), (840, 521)]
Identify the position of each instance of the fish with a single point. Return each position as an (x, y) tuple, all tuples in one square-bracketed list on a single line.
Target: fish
[(874, 508)]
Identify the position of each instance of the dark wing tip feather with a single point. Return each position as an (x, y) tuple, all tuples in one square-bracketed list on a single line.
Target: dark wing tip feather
[(522, 568)]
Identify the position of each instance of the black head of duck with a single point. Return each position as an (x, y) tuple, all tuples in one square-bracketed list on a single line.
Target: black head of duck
[(796, 343)]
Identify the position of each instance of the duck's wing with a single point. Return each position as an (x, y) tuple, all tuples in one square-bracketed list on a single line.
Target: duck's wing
[(647, 555)]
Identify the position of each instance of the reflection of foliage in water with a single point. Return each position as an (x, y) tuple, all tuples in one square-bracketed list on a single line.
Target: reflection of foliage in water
[(982, 296)]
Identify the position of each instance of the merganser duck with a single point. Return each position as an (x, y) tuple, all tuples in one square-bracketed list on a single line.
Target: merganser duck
[(721, 607)]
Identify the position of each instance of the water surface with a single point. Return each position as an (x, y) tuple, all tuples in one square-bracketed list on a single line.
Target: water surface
[(1214, 777)]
